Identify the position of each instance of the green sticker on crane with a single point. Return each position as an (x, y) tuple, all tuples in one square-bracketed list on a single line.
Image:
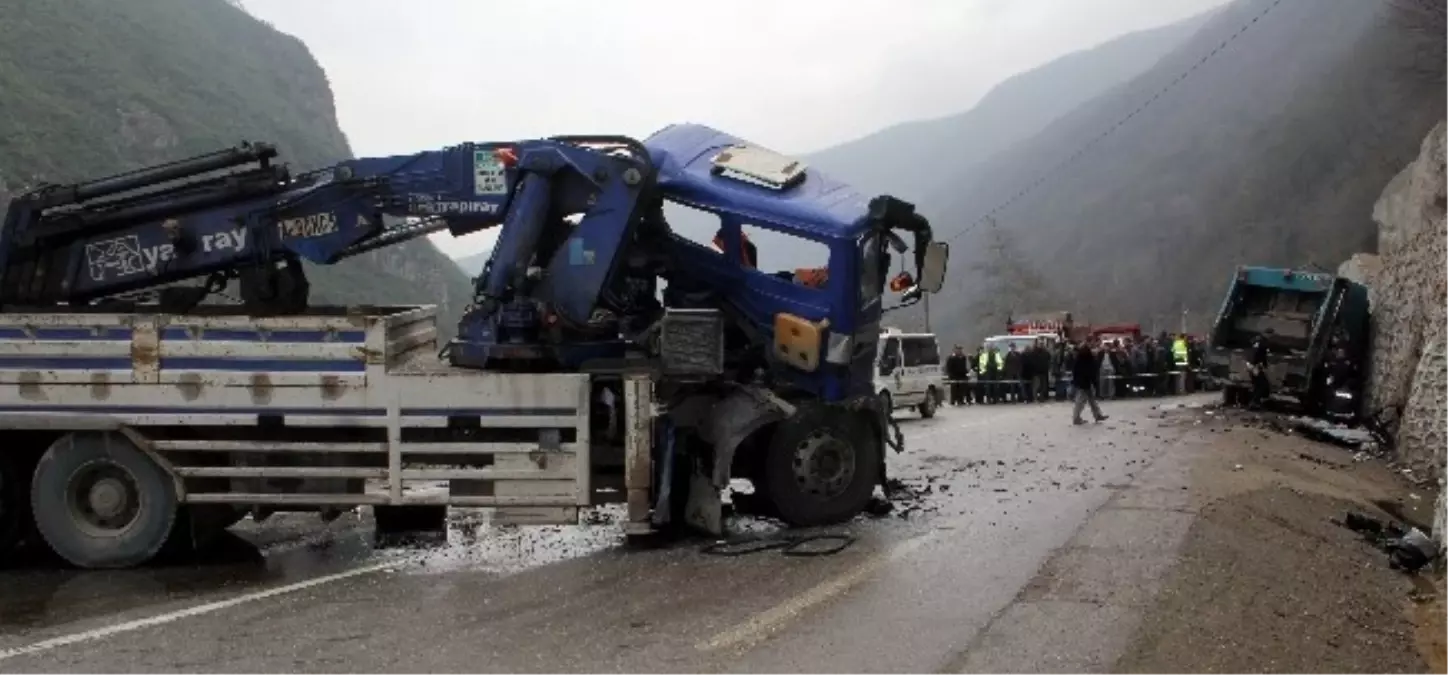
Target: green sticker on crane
[(489, 175)]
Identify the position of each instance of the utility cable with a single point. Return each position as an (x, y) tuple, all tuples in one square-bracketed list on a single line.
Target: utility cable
[(1042, 178)]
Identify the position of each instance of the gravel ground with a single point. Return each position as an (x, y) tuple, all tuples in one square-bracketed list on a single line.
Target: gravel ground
[(1268, 581)]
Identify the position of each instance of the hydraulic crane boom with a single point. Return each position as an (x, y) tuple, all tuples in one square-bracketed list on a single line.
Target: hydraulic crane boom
[(573, 281), (72, 244)]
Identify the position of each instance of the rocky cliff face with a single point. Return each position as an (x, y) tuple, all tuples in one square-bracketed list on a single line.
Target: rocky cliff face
[(1409, 372), (95, 87)]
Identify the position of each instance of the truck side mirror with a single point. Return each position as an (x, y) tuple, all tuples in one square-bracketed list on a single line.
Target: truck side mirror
[(932, 266)]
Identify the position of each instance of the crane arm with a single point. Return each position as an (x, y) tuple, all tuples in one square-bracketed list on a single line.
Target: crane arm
[(235, 213)]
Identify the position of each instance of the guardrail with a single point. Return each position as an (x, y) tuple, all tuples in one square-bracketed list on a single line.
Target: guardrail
[(1176, 378)]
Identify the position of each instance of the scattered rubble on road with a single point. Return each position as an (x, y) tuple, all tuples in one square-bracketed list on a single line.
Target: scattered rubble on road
[(1408, 548)]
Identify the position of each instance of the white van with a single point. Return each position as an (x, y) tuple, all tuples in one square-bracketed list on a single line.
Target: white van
[(908, 371), (1022, 342)]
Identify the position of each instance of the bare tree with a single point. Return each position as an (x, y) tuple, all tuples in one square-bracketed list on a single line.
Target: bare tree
[(1009, 284)]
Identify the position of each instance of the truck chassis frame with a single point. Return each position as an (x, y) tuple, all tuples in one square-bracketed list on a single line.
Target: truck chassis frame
[(326, 411)]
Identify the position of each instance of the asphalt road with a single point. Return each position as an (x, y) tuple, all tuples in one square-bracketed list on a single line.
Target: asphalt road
[(997, 564)]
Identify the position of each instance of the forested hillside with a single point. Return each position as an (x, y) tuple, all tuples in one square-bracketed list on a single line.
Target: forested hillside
[(1268, 148), (94, 87), (1271, 151), (906, 160)]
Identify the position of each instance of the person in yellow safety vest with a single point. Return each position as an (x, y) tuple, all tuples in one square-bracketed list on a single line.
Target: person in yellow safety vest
[(989, 363), (1179, 353)]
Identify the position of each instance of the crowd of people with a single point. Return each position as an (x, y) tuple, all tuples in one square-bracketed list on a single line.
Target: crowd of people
[(1041, 372)]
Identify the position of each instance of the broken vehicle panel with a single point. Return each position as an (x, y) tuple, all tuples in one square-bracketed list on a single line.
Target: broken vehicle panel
[(1303, 316)]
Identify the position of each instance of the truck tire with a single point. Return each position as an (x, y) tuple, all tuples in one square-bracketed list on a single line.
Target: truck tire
[(822, 466), (931, 403), (100, 502)]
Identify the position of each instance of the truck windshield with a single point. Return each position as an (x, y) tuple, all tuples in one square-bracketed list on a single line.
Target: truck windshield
[(1289, 313)]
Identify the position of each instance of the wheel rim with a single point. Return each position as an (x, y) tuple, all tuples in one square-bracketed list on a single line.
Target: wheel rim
[(104, 499), (824, 464)]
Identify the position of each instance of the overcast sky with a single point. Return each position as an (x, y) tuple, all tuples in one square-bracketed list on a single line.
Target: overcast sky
[(794, 75)]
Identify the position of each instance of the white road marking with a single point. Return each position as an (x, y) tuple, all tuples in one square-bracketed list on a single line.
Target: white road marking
[(138, 624), (764, 624)]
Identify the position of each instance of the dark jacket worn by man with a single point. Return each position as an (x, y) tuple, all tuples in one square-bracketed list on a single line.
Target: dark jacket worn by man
[(1012, 374), (1084, 368), (957, 370)]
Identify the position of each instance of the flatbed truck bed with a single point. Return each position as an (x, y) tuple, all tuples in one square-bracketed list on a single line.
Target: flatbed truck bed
[(252, 415)]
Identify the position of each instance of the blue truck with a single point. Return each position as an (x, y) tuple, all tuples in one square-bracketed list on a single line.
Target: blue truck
[(1305, 317), (572, 381)]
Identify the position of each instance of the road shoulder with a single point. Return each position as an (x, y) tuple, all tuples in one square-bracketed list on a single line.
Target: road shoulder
[(1266, 580), (1222, 555)]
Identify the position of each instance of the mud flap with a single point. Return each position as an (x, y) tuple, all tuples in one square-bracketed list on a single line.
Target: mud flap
[(705, 509), (668, 463), (701, 508), (409, 525), (743, 412)]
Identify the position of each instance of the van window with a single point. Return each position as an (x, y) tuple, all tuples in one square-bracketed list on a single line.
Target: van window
[(920, 351), (889, 348), (889, 356)]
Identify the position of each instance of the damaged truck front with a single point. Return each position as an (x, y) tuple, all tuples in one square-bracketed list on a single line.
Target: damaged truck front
[(1305, 318)]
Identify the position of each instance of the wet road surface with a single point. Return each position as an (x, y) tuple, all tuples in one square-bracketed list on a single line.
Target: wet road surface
[(953, 580)]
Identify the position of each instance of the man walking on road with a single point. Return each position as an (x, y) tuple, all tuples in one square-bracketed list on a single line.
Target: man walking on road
[(1085, 370)]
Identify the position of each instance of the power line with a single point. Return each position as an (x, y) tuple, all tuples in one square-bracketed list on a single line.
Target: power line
[(1041, 179)]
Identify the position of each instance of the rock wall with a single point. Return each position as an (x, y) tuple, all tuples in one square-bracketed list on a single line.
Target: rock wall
[(1409, 284)]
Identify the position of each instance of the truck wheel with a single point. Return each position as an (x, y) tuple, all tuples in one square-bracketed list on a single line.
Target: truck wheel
[(100, 502), (822, 466), (930, 404)]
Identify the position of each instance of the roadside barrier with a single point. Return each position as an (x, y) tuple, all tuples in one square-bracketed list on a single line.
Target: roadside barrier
[(1137, 384)]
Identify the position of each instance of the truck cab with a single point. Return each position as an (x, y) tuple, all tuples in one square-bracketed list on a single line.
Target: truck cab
[(1302, 315), (908, 372), (823, 334)]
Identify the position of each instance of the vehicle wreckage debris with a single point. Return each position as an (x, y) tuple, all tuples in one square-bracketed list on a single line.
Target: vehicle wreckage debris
[(1408, 548), (791, 545)]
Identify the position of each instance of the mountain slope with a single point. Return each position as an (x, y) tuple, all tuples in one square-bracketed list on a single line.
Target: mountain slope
[(472, 265), (95, 87), (917, 159), (903, 160), (1271, 152)]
